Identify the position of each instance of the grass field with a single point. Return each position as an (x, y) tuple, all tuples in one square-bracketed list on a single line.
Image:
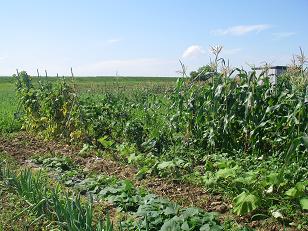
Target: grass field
[(8, 105)]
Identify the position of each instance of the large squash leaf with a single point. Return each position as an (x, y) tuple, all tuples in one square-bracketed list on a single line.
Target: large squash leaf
[(245, 203), (304, 203)]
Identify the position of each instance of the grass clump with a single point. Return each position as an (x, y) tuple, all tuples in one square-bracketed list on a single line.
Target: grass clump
[(68, 211)]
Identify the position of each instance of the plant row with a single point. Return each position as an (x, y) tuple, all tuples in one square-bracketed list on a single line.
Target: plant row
[(146, 211), (68, 211)]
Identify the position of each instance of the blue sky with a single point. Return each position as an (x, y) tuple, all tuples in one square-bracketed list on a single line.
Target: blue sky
[(146, 38)]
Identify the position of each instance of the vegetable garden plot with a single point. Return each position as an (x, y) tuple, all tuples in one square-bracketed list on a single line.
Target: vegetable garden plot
[(234, 136)]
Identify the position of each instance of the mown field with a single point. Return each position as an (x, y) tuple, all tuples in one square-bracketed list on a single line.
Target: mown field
[(154, 153)]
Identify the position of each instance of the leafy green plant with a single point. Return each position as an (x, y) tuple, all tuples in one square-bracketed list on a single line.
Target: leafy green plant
[(175, 167), (69, 211), (105, 142), (134, 132), (163, 215), (93, 184), (245, 203), (304, 203), (203, 73), (124, 195), (298, 190), (151, 212)]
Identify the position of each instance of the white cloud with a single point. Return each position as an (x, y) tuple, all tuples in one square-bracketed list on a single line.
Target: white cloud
[(193, 51), (114, 40), (281, 35), (130, 67), (241, 29)]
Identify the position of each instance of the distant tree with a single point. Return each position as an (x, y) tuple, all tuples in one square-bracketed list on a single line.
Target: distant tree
[(203, 73), (193, 74)]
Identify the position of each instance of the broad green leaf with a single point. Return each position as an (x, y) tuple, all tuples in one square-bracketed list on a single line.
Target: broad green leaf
[(185, 226), (226, 172), (171, 210), (106, 143), (275, 178), (304, 203), (170, 225), (205, 227), (291, 192), (213, 227), (296, 191), (245, 203), (165, 164), (190, 212)]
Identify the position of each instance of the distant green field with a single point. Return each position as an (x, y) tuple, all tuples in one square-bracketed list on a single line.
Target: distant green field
[(8, 105), (98, 84), (85, 85)]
